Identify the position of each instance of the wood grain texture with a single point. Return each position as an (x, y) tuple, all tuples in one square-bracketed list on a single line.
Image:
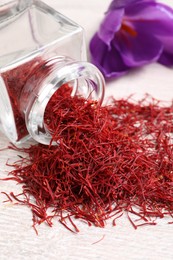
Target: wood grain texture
[(19, 241)]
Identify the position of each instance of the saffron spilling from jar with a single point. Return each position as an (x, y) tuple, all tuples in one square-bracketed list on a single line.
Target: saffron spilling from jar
[(102, 161)]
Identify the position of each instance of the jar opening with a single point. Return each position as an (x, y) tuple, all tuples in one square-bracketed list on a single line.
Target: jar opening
[(78, 79)]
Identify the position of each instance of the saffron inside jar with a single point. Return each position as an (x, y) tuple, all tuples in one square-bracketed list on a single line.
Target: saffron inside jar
[(15, 80), (20, 82)]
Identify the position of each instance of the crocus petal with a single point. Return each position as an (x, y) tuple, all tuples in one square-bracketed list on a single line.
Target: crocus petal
[(157, 17), (121, 3), (147, 10), (161, 25), (138, 50), (166, 59), (107, 60), (110, 25), (133, 33)]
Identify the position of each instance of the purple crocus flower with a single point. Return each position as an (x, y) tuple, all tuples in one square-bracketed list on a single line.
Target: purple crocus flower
[(133, 33)]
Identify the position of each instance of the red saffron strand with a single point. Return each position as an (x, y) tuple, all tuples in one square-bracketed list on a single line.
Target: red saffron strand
[(108, 160), (99, 240)]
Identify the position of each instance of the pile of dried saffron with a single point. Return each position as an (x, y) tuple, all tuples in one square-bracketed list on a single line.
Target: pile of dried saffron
[(107, 161)]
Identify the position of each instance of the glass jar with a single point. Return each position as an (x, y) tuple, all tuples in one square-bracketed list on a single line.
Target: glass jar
[(40, 51)]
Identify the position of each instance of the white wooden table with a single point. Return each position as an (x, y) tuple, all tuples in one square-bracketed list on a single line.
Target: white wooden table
[(19, 241)]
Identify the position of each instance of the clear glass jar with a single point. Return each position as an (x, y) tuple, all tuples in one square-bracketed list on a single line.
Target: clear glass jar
[(40, 51)]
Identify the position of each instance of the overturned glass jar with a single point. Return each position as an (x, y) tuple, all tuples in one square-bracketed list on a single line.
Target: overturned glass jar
[(40, 51)]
